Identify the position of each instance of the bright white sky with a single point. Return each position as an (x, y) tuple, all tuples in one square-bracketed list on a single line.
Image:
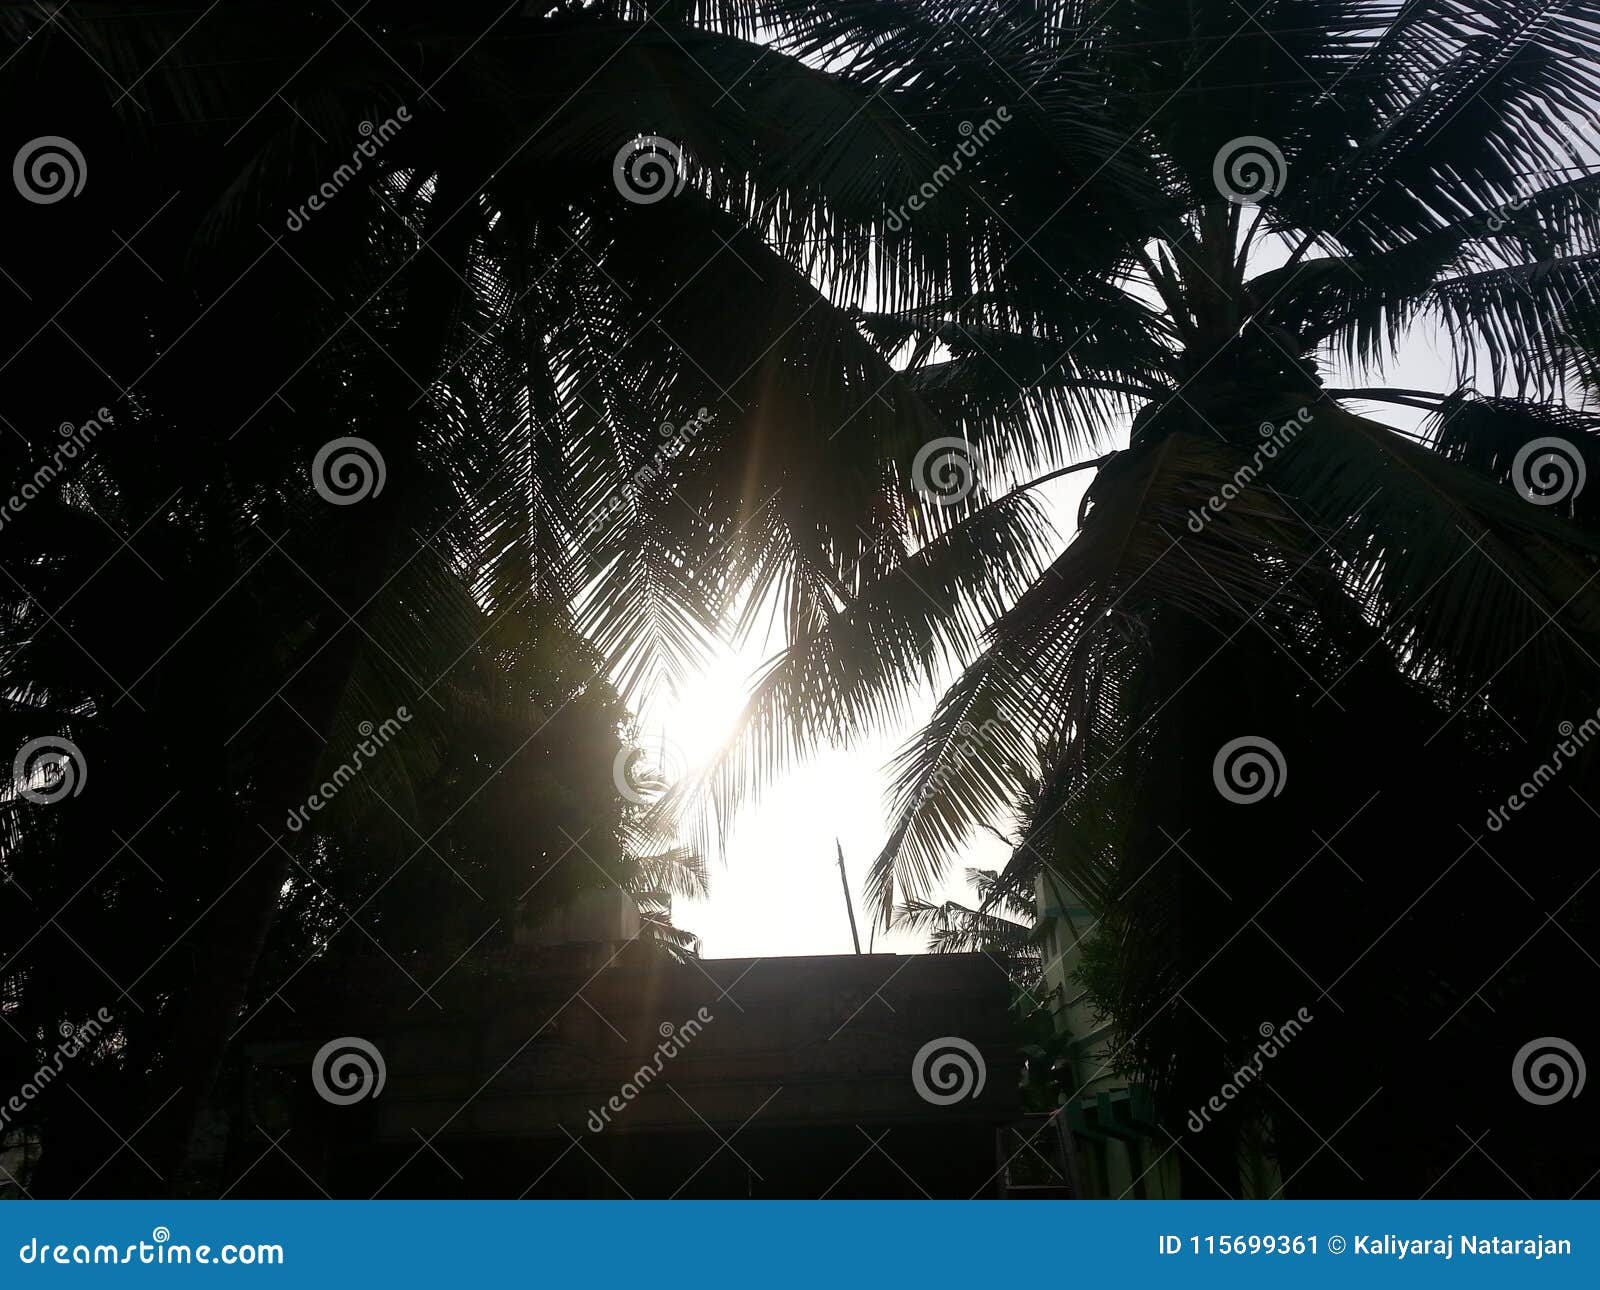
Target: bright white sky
[(777, 890)]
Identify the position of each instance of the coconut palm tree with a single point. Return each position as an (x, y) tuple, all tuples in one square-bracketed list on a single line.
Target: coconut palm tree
[(1008, 937), (1384, 619)]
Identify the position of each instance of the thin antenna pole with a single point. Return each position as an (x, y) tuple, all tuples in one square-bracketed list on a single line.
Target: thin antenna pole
[(850, 909)]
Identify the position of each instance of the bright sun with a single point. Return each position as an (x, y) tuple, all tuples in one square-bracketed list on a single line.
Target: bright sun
[(682, 733)]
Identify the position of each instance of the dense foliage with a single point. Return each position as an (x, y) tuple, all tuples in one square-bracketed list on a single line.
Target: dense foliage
[(484, 305)]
